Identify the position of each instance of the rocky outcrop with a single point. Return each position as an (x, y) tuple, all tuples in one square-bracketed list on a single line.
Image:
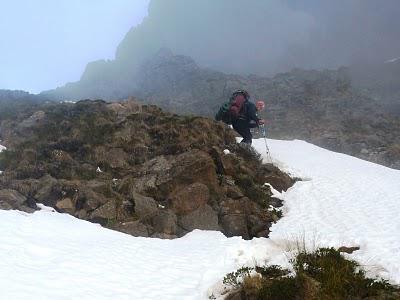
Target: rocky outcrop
[(326, 108), (139, 170)]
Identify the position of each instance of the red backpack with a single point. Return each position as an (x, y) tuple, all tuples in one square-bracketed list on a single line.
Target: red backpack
[(237, 106)]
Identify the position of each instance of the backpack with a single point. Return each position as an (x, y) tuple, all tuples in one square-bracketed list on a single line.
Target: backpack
[(231, 110)]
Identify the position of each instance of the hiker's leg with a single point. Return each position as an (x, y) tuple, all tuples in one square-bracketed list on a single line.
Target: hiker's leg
[(247, 137), (243, 129)]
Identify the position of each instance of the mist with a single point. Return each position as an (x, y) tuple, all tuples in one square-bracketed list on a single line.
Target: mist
[(266, 37), (46, 43)]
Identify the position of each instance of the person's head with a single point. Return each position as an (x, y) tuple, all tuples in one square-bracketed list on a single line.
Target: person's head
[(242, 92), (260, 105)]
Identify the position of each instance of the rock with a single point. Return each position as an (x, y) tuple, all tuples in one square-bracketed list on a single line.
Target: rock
[(348, 250), (144, 207), (189, 198), (234, 192), (90, 200), (166, 175), (66, 205), (165, 222), (134, 228), (229, 163), (81, 214), (114, 157), (45, 193), (104, 213), (164, 236), (275, 177), (234, 207), (204, 218), (11, 199), (235, 225)]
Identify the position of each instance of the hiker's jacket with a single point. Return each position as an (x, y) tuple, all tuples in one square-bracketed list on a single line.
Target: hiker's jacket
[(249, 114)]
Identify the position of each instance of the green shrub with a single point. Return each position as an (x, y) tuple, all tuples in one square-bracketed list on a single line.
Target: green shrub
[(235, 279), (339, 277), (322, 274)]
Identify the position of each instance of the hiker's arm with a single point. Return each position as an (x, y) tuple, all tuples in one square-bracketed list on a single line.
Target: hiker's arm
[(253, 118)]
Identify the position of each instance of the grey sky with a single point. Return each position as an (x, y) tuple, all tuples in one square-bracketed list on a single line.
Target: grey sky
[(268, 36), (46, 43)]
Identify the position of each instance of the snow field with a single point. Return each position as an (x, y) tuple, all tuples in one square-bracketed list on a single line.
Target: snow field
[(344, 201), (47, 255)]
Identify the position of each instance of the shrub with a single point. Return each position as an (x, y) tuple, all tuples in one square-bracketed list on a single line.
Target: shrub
[(322, 274)]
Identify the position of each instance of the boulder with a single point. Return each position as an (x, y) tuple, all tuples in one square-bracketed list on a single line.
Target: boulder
[(235, 225), (46, 193), (11, 199), (104, 213), (66, 205), (166, 175), (189, 198), (165, 222), (144, 207), (89, 199), (204, 218)]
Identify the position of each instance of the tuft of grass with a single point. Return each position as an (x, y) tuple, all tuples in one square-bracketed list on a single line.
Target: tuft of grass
[(339, 277)]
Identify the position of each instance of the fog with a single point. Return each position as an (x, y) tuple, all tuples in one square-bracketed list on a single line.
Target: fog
[(45, 43), (265, 37)]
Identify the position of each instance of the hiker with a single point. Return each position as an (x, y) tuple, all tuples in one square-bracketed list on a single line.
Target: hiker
[(242, 114)]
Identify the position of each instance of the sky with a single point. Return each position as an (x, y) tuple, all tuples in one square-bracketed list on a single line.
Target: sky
[(46, 43)]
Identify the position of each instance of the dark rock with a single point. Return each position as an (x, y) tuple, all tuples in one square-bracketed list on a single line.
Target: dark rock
[(204, 218), (11, 199), (104, 213), (134, 228), (348, 250), (46, 193), (90, 200), (165, 222), (144, 207), (235, 225)]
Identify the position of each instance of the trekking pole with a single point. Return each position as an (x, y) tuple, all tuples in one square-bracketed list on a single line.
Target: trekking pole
[(264, 132)]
